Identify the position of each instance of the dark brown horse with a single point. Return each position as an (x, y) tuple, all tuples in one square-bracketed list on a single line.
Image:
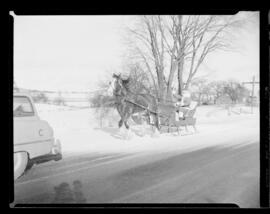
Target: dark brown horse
[(128, 102)]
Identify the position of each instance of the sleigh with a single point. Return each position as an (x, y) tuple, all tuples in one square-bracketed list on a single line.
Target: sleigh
[(169, 120)]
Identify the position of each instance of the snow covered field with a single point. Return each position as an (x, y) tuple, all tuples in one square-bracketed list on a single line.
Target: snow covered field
[(218, 164), (79, 130)]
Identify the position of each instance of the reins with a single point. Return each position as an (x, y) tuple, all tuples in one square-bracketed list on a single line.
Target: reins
[(128, 91), (146, 108)]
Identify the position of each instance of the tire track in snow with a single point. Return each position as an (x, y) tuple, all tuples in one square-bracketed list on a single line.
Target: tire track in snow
[(67, 169)]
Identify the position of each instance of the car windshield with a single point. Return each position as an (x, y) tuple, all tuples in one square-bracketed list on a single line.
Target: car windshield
[(22, 107)]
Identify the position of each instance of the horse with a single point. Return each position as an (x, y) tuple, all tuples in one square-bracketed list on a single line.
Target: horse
[(129, 103)]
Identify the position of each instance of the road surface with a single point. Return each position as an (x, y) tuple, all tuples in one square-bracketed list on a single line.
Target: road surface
[(213, 174)]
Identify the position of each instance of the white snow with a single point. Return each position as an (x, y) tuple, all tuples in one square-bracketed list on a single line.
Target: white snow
[(79, 130)]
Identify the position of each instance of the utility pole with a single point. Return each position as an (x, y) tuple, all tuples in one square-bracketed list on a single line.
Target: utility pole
[(252, 93)]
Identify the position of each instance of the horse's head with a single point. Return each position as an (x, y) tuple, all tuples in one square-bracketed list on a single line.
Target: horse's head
[(116, 86)]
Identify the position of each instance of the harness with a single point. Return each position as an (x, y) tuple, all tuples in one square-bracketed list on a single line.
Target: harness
[(123, 99)]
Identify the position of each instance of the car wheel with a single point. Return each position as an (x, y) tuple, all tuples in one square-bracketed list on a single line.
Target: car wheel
[(20, 163), (29, 165)]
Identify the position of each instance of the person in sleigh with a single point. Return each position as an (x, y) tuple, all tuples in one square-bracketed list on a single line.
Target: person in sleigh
[(183, 103)]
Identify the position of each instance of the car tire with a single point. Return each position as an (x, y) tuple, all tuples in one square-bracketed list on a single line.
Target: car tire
[(29, 165), (20, 163)]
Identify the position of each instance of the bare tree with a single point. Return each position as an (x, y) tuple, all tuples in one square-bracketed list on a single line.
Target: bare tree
[(139, 80), (101, 101), (235, 91), (195, 38), (179, 43), (150, 48), (217, 89)]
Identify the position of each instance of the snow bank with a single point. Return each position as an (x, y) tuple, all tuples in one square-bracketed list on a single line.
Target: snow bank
[(79, 131)]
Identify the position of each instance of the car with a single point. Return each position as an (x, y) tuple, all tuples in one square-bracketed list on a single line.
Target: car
[(33, 138)]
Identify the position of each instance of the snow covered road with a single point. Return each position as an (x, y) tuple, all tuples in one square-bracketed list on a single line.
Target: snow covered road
[(209, 175)]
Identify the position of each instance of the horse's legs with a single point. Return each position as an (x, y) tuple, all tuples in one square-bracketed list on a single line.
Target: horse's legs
[(128, 112), (157, 122), (126, 125), (125, 119), (120, 123), (119, 109)]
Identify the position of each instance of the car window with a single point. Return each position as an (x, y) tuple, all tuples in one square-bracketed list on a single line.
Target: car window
[(22, 107)]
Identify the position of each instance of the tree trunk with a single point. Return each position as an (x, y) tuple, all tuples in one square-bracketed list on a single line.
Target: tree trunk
[(162, 94), (188, 83), (161, 86), (180, 76), (170, 80), (169, 95)]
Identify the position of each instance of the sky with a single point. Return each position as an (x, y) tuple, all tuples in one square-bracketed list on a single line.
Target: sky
[(72, 53)]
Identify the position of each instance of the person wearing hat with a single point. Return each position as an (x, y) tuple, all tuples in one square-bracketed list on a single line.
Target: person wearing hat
[(177, 98), (183, 106)]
